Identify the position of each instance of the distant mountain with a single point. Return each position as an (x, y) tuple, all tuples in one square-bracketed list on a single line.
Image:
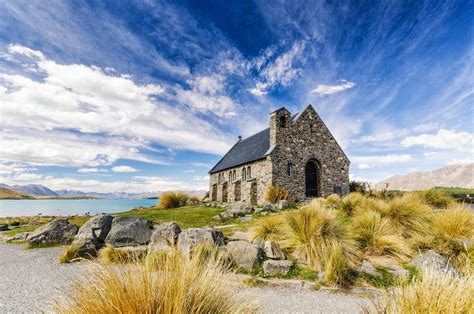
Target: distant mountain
[(32, 189), (95, 194), (461, 176), (6, 193)]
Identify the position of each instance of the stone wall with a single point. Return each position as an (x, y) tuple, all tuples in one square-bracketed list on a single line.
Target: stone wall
[(261, 171), (299, 141)]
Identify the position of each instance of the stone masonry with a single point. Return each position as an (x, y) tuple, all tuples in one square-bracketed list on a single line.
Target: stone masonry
[(297, 153)]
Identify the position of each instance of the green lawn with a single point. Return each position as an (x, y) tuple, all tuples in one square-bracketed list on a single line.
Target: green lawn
[(186, 216)]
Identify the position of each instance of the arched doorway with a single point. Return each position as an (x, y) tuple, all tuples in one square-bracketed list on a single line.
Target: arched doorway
[(237, 191), (224, 192), (312, 172), (253, 193), (214, 193)]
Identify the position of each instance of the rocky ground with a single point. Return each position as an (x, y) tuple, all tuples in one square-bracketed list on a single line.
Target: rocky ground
[(32, 278)]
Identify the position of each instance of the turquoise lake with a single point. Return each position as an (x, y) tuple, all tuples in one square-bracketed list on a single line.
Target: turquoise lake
[(69, 207)]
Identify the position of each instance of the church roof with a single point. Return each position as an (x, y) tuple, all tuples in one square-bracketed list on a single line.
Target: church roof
[(252, 148)]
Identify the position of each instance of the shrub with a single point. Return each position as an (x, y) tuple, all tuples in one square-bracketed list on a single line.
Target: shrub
[(436, 198), (174, 284), (359, 187), (314, 232), (15, 223), (268, 228), (430, 293), (173, 199), (194, 199), (350, 202), (274, 194), (376, 236)]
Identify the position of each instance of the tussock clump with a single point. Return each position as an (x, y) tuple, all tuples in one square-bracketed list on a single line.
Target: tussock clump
[(430, 293), (268, 228), (316, 232), (377, 236), (436, 198), (71, 253), (350, 202), (111, 255), (274, 194), (333, 200), (173, 199), (337, 270), (172, 284)]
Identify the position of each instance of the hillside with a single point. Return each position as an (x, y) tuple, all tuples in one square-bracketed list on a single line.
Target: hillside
[(31, 189), (461, 176), (12, 195)]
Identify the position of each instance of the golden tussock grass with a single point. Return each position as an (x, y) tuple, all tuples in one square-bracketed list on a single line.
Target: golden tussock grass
[(350, 202), (436, 198), (70, 254), (268, 228), (430, 293), (112, 255), (274, 194), (170, 283), (173, 199)]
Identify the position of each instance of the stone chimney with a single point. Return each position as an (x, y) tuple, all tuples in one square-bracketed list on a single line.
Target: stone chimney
[(280, 121)]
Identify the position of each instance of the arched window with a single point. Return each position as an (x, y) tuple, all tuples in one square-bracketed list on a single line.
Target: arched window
[(234, 175), (219, 178), (230, 175), (282, 122), (244, 177), (290, 169), (249, 173)]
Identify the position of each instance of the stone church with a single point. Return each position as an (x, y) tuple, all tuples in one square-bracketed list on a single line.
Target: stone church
[(296, 152)]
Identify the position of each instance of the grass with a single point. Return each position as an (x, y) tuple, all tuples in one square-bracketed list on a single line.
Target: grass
[(274, 194), (186, 216), (171, 284), (111, 255), (254, 282), (385, 280), (25, 221), (170, 200), (377, 236), (268, 228), (430, 293), (12, 195), (300, 272), (350, 202), (436, 198), (70, 254)]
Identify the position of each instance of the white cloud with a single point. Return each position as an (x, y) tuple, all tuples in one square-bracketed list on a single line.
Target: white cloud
[(332, 89), (368, 161), (443, 139), (200, 164), (123, 169), (91, 101), (189, 171), (201, 178), (281, 71), (91, 170)]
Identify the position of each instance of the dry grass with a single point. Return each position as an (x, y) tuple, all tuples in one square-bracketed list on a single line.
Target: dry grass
[(316, 232), (274, 194), (172, 283), (436, 198), (173, 199), (377, 236), (337, 269), (333, 200), (70, 254), (268, 228), (350, 202), (111, 255), (431, 293)]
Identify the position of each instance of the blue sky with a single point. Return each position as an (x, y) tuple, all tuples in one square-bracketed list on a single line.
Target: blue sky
[(146, 95)]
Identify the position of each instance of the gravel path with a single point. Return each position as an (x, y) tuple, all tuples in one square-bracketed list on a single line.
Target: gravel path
[(30, 279)]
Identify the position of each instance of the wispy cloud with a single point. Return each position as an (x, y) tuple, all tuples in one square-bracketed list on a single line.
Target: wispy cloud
[(323, 89), (92, 170), (123, 169), (443, 139)]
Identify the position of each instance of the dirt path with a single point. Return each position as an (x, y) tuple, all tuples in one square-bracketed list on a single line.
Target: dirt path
[(30, 279)]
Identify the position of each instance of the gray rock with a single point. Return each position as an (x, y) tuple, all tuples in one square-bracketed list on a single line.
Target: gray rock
[(239, 235), (246, 218), (165, 236), (400, 273), (300, 257), (269, 207), (58, 231), (283, 204), (436, 262), (95, 230), (368, 268), (4, 228), (273, 250), (273, 267), (239, 209), (188, 239), (129, 231), (263, 213), (246, 255), (21, 236)]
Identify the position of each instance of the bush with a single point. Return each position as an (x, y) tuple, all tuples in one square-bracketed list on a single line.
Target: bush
[(316, 232), (274, 194), (174, 284), (350, 202), (436, 198), (268, 228), (376, 236), (15, 223), (430, 293), (173, 199)]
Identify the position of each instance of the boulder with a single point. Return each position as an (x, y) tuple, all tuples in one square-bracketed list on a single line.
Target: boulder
[(239, 235), (21, 236), (246, 218), (269, 207), (129, 231), (436, 262), (369, 269), (239, 209), (400, 273), (4, 227), (91, 236), (273, 250), (299, 257), (283, 204), (245, 255), (58, 231), (188, 239), (273, 267), (165, 236)]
